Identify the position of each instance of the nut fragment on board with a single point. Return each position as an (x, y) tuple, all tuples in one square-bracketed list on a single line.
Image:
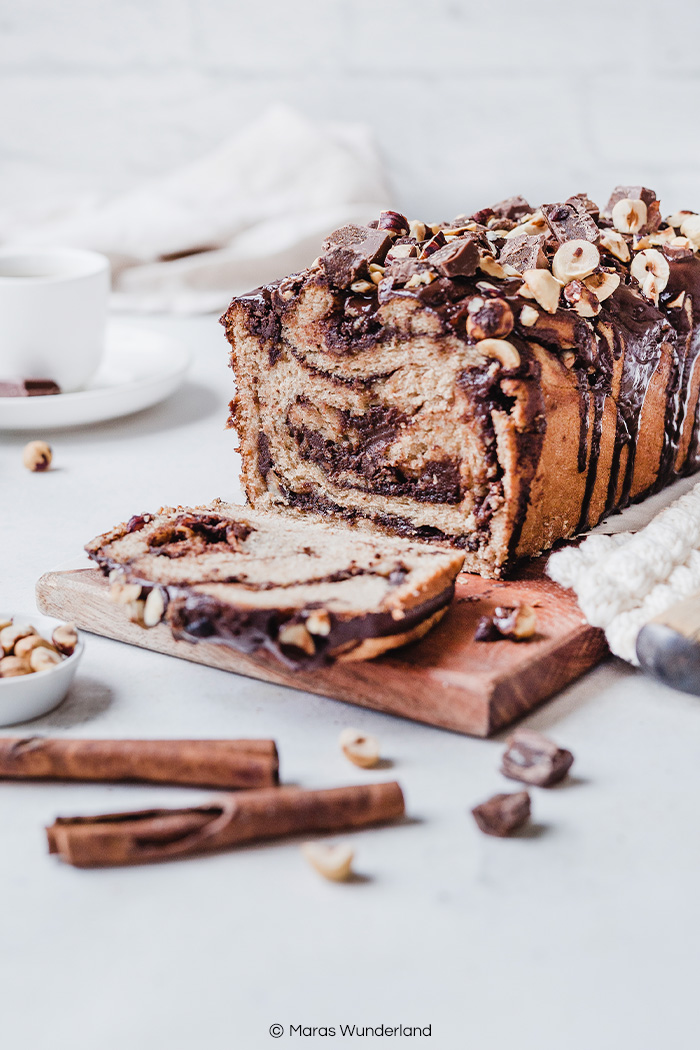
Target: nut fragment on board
[(361, 749), (333, 861), (37, 456), (124, 593), (534, 759), (296, 636), (515, 622), (154, 608)]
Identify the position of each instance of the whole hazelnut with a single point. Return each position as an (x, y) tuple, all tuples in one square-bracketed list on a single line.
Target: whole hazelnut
[(37, 456), (65, 638), (42, 659), (492, 320), (13, 666)]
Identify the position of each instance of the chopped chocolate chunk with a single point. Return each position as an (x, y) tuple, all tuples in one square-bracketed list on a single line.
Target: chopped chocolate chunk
[(498, 223), (481, 217), (524, 252), (570, 221), (673, 252), (458, 258), (29, 388), (393, 221), (638, 193), (349, 251), (264, 457), (503, 814), (588, 205), (533, 759), (511, 208), (402, 270)]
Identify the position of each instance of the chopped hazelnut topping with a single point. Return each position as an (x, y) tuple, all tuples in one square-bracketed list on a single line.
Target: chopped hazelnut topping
[(678, 218), (616, 244), (629, 215), (690, 228), (361, 287), (297, 636), (502, 350), (528, 316), (602, 284), (575, 260), (544, 288), (490, 318), (488, 264), (650, 268), (319, 622)]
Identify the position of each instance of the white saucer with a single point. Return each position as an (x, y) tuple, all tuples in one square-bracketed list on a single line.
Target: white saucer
[(140, 368)]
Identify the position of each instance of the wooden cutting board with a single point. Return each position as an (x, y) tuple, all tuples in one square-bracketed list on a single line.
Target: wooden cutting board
[(446, 680)]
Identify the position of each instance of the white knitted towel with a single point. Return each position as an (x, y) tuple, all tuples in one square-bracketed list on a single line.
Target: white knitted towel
[(623, 580)]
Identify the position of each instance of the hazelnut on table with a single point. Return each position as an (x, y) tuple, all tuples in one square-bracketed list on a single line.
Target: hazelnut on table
[(37, 456), (334, 862), (361, 749)]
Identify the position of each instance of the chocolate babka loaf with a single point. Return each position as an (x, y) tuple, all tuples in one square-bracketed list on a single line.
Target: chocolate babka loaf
[(308, 591), (501, 381)]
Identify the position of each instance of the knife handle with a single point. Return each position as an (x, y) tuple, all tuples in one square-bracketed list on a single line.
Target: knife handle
[(668, 647)]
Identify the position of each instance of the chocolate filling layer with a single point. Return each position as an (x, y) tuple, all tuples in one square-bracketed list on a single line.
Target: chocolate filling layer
[(196, 617)]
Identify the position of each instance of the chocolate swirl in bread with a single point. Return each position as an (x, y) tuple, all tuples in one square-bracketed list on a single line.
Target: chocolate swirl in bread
[(308, 592), (501, 382)]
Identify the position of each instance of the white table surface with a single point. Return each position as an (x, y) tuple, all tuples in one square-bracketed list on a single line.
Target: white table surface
[(583, 934)]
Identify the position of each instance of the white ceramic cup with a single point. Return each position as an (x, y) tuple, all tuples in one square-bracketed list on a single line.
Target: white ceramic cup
[(53, 312)]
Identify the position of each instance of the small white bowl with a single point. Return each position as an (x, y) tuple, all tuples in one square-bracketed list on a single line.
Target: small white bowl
[(30, 695)]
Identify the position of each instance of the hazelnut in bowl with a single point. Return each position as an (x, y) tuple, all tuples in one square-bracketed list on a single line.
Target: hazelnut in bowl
[(37, 665)]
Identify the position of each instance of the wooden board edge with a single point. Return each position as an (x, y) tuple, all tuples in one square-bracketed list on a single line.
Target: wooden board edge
[(469, 713), (584, 650)]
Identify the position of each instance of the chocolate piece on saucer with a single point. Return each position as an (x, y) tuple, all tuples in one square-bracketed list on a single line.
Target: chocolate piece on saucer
[(29, 388)]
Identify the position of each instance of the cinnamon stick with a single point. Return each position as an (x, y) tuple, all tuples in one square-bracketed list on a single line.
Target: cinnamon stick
[(161, 834), (222, 764)]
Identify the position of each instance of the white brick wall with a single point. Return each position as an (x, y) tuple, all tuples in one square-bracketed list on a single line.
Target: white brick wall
[(468, 101)]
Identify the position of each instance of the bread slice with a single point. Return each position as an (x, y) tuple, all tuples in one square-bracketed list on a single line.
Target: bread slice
[(304, 589)]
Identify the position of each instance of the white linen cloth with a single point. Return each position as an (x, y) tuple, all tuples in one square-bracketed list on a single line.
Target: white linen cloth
[(623, 579), (261, 204)]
